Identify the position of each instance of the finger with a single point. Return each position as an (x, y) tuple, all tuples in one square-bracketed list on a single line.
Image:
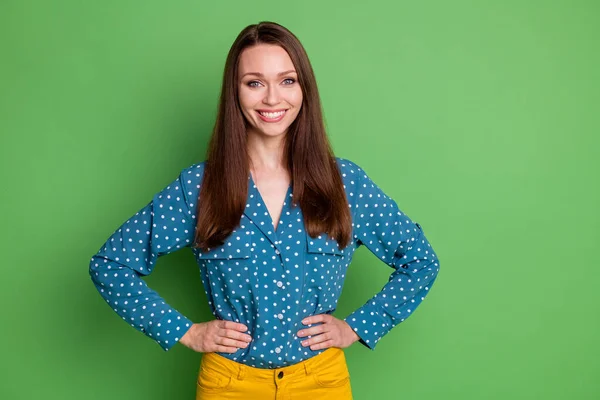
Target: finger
[(312, 331), (230, 333), (225, 349), (317, 318), (317, 339), (234, 325), (322, 345), (231, 342)]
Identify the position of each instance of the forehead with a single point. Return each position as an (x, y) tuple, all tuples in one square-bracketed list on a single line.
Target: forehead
[(267, 59)]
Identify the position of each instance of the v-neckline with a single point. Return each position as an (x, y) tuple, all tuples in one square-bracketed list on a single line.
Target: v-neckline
[(284, 206)]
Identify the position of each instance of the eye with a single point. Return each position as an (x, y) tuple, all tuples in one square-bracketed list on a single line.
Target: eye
[(251, 83), (292, 81)]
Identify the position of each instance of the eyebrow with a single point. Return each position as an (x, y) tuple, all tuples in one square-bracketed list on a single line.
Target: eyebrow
[(262, 76)]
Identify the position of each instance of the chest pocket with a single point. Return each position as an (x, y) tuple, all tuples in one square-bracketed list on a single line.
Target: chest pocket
[(228, 268), (234, 254), (323, 244), (323, 250), (325, 271)]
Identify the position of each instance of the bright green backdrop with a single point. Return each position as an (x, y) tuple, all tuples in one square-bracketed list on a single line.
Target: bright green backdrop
[(479, 118)]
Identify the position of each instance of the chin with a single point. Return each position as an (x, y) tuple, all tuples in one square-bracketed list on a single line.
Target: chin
[(271, 132)]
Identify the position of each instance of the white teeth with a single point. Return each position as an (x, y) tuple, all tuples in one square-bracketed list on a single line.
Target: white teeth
[(272, 115)]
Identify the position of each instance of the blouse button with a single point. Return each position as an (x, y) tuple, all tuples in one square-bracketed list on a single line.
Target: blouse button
[(280, 316), (278, 350), (279, 284)]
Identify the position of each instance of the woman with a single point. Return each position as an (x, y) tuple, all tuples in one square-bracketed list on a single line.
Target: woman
[(273, 219)]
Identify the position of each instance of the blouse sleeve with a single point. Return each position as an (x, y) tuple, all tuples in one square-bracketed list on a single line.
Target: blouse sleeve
[(164, 225), (401, 244)]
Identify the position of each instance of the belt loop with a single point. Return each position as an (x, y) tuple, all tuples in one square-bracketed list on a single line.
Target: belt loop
[(306, 367), (241, 372)]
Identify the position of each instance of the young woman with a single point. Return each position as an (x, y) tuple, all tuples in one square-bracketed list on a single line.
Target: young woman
[(273, 219)]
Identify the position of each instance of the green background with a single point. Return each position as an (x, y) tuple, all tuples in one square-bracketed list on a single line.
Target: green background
[(480, 119)]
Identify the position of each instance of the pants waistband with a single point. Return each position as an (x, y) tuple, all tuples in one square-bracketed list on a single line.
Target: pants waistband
[(332, 355)]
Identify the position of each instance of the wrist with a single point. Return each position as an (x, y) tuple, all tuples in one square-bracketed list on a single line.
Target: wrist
[(187, 337), (352, 335)]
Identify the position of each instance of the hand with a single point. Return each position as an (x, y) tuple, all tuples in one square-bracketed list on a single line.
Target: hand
[(333, 332), (216, 336)]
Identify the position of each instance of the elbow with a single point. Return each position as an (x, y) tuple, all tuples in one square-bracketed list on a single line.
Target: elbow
[(434, 268), (96, 268)]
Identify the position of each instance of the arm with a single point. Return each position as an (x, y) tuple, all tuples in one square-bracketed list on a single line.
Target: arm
[(400, 243), (164, 225)]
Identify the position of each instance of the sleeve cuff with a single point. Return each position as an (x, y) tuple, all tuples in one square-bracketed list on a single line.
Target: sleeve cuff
[(369, 324), (170, 329)]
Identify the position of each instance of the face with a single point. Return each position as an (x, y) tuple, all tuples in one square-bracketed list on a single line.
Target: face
[(269, 92)]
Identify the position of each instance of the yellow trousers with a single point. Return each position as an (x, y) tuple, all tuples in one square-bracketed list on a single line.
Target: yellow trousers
[(324, 376)]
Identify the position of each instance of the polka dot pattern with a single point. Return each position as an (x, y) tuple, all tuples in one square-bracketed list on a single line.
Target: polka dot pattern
[(399, 242), (164, 225), (265, 278)]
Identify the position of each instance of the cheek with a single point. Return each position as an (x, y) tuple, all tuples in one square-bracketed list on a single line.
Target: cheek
[(296, 98), (296, 111), (247, 98)]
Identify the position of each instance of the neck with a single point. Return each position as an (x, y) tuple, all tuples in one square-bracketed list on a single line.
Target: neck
[(266, 153)]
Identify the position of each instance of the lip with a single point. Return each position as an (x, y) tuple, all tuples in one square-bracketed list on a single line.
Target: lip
[(265, 110), (271, 120)]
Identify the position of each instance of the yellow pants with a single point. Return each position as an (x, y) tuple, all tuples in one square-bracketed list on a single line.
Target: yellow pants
[(324, 376)]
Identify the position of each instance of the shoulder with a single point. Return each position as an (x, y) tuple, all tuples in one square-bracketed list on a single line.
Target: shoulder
[(192, 175), (351, 171), (356, 180), (348, 167), (191, 179), (352, 175), (194, 170)]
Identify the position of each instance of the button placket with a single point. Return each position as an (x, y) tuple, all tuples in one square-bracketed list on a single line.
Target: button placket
[(280, 315)]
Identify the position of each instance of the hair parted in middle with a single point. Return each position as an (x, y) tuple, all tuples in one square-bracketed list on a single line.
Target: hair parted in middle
[(317, 185)]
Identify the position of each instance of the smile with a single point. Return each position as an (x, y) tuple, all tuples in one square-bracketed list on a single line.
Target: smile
[(271, 116)]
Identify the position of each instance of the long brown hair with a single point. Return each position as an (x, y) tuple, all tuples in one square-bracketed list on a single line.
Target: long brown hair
[(316, 181)]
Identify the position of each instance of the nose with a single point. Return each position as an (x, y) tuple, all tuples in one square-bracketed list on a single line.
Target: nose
[(272, 95)]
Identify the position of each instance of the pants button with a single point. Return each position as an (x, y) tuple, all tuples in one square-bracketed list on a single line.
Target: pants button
[(280, 374)]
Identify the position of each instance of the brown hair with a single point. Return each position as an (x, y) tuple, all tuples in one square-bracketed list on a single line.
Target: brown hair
[(317, 185)]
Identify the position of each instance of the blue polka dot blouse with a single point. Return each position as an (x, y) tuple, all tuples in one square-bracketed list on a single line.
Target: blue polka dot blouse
[(268, 280)]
